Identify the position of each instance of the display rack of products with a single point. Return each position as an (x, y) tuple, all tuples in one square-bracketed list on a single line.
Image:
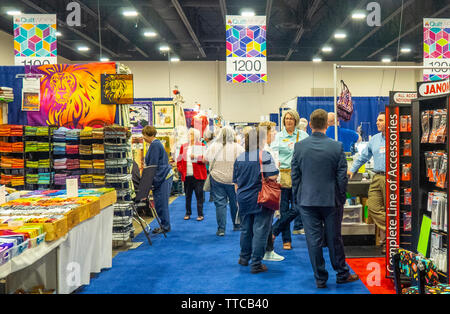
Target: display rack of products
[(398, 174), (39, 172), (92, 157), (430, 169), (66, 156), (12, 152), (118, 175)]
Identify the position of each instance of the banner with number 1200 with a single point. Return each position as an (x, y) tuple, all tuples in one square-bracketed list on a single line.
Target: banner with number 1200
[(35, 39), (246, 49)]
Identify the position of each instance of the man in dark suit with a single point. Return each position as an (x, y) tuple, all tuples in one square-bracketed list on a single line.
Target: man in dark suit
[(319, 182)]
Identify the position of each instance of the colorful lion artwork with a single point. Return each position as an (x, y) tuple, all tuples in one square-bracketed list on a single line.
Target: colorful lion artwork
[(71, 96), (117, 89)]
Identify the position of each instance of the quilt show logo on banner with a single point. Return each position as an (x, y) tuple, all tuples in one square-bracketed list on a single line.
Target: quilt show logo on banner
[(117, 89), (35, 39), (70, 96), (246, 49), (436, 36)]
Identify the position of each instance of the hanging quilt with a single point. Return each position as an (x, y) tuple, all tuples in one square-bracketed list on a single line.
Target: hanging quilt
[(117, 89), (71, 96)]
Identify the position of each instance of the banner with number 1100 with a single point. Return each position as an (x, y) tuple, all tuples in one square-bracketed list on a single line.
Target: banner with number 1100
[(246, 49)]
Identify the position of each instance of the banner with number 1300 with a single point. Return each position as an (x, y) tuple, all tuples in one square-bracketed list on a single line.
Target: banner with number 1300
[(246, 49)]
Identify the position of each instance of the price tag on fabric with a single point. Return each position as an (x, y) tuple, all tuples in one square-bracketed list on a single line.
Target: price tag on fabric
[(72, 187), (2, 194)]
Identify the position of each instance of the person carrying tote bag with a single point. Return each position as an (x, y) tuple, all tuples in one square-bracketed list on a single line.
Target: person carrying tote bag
[(284, 144)]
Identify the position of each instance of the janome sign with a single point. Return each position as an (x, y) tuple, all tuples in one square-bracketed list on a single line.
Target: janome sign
[(436, 88)]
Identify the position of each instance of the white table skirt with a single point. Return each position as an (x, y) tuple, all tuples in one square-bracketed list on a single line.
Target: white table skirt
[(86, 249)]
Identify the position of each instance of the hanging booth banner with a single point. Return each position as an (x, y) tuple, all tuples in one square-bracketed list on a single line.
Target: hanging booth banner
[(398, 212), (71, 96), (35, 39), (436, 36), (246, 49)]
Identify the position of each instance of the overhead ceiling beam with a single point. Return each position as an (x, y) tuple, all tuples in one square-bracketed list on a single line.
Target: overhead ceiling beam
[(223, 10), (268, 11), (188, 26), (113, 30), (77, 32), (376, 29), (312, 9), (436, 14)]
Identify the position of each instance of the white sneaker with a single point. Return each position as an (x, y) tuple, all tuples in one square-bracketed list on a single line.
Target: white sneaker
[(272, 256)]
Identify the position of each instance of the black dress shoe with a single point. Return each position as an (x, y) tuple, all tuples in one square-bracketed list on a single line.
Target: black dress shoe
[(350, 278)]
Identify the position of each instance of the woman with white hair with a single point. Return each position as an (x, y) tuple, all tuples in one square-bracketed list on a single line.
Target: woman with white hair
[(221, 156), (191, 165), (284, 144)]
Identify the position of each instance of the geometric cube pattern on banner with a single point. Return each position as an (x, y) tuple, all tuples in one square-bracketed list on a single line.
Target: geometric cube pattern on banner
[(436, 46), (32, 40)]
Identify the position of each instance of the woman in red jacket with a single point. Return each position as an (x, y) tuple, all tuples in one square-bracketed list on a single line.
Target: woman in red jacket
[(190, 164)]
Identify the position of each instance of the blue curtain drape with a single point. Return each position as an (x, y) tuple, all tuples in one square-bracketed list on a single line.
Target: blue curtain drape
[(365, 111), (8, 79)]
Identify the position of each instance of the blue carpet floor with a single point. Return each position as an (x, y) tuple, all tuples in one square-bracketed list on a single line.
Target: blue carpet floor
[(192, 259)]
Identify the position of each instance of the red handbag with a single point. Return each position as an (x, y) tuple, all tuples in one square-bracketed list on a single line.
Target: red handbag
[(270, 193)]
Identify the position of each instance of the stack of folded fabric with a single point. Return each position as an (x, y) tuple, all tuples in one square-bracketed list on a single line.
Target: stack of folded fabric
[(98, 179), (85, 149), (14, 180), (12, 163), (16, 147), (85, 164), (117, 178), (73, 164), (98, 164), (6, 94), (59, 135), (72, 149), (115, 132), (86, 133), (44, 163), (60, 163), (60, 178), (116, 148), (59, 148), (31, 146), (44, 178), (32, 178), (86, 179), (97, 133), (98, 149), (116, 163), (11, 130), (73, 135), (32, 164)]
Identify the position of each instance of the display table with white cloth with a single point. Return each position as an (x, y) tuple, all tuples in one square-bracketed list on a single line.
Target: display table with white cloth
[(64, 264)]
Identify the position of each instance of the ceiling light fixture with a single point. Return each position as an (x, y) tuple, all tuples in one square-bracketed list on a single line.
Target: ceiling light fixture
[(174, 59), (405, 50), (317, 59), (327, 49), (104, 59), (164, 48), (358, 15), (14, 12), (58, 34), (247, 13), (386, 60), (130, 13), (340, 35), (83, 48), (150, 34)]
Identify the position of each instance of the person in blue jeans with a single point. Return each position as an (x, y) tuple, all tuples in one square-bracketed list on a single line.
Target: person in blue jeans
[(163, 179), (221, 156), (256, 219)]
